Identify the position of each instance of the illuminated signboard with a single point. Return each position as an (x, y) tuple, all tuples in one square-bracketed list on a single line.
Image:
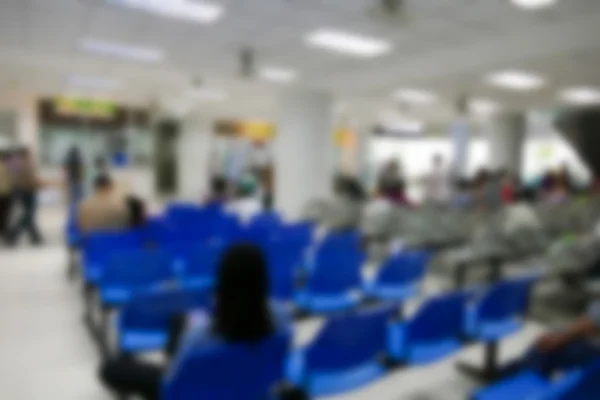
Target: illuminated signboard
[(67, 106), (253, 130)]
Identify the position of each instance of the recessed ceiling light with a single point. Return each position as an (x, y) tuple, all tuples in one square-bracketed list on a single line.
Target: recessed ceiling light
[(277, 74), (208, 94), (122, 50), (191, 10), (415, 96), (533, 4), (581, 95), (348, 43), (483, 106), (93, 82), (515, 80)]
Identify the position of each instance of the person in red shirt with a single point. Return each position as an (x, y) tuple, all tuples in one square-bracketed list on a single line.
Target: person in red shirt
[(507, 188)]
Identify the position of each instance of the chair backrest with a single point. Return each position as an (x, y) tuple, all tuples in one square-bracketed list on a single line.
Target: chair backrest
[(348, 341), (440, 317), (337, 269), (98, 247), (581, 386), (203, 260), (504, 300), (154, 310), (268, 220), (402, 268), (346, 238), (283, 256), (138, 269), (229, 371)]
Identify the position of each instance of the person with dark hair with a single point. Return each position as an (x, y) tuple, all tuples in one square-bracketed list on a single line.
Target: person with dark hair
[(104, 209), (25, 185), (74, 170), (5, 193), (218, 192), (242, 314)]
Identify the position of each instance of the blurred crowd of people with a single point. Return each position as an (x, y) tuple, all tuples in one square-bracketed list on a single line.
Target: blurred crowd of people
[(487, 190)]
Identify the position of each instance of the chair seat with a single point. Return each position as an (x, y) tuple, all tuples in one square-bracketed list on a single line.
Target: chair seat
[(320, 383), (420, 352), (142, 340), (490, 330), (198, 282), (391, 292), (114, 296), (324, 303), (527, 385)]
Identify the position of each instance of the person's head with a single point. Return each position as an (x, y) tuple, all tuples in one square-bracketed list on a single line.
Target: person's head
[(74, 153), (241, 295), (218, 187), (103, 184)]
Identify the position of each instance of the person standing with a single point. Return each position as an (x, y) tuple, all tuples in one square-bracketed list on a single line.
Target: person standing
[(5, 193), (74, 174), (438, 183), (25, 187)]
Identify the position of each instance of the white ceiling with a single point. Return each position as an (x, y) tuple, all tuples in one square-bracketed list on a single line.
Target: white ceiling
[(446, 46)]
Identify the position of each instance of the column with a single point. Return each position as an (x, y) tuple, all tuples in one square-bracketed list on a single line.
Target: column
[(193, 150), (303, 151), (506, 141)]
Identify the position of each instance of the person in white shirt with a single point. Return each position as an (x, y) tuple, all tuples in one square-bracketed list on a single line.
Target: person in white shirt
[(248, 202), (438, 183)]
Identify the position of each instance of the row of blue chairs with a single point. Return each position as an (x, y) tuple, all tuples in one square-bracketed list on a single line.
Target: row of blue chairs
[(354, 349)]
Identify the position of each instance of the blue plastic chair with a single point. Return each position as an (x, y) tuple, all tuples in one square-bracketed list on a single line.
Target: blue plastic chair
[(99, 247), (577, 385), (334, 283), (432, 333), (134, 272), (200, 266), (399, 278), (496, 315), (283, 256), (143, 323), (345, 355), (229, 371)]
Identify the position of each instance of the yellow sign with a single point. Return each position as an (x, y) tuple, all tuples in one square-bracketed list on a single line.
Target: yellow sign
[(344, 138), (257, 130), (84, 108)]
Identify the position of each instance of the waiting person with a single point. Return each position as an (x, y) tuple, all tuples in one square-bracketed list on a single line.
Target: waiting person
[(218, 192), (438, 183), (25, 186), (242, 315), (104, 209), (5, 193), (567, 349), (74, 171), (248, 202), (507, 187)]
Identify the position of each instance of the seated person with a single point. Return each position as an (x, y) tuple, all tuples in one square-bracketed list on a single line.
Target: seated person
[(242, 314), (565, 350), (104, 209), (248, 202), (218, 192)]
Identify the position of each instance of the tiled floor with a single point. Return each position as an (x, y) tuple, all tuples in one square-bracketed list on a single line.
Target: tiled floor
[(46, 353)]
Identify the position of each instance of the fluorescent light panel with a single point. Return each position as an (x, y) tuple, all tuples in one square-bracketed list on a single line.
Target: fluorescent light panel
[(196, 11), (122, 50), (93, 82), (415, 96), (515, 80), (348, 43), (208, 94), (581, 95), (277, 74), (533, 4)]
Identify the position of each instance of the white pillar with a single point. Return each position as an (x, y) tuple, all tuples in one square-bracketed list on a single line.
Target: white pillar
[(506, 141), (459, 132), (303, 151), (193, 158)]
